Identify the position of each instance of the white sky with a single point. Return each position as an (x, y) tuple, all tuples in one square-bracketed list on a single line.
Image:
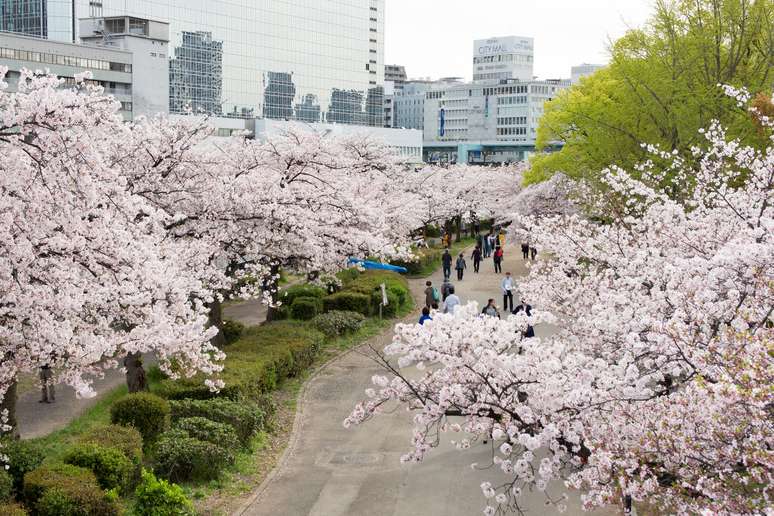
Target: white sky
[(435, 37)]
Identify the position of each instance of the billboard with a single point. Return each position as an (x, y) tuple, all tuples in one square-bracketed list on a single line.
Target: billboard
[(505, 45)]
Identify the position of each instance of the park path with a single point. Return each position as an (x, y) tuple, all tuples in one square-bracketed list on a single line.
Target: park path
[(328, 470)]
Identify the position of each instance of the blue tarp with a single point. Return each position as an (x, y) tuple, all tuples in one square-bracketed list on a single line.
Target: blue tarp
[(376, 265)]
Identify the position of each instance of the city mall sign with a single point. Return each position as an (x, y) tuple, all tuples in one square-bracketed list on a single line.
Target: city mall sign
[(511, 45)]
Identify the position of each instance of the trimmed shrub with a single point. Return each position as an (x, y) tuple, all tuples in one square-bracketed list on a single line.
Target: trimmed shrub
[(393, 303), (336, 322), (214, 432), (111, 467), (6, 486), (305, 308), (157, 497), (246, 419), (126, 439), (290, 294), (179, 457), (12, 509), (23, 457), (146, 412), (256, 363), (64, 489), (232, 330), (348, 302)]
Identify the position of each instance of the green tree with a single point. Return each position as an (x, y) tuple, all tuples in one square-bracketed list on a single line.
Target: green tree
[(660, 87)]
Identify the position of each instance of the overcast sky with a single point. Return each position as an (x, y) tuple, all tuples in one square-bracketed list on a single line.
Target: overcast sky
[(435, 37)]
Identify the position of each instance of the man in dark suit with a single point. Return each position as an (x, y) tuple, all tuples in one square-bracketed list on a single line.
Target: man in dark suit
[(527, 309)]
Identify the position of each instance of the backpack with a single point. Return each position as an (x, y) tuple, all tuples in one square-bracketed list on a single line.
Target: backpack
[(436, 295)]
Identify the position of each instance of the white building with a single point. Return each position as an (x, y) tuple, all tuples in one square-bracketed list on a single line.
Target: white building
[(406, 142), (408, 105), (496, 59), (583, 70), (485, 123), (148, 41)]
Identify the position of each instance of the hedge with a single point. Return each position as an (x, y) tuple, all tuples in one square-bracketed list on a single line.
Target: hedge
[(290, 294), (126, 439), (336, 322), (222, 434), (58, 489), (157, 497), (111, 467), (346, 301), (23, 457), (255, 364), (6, 486), (179, 457), (246, 419), (146, 412), (305, 308)]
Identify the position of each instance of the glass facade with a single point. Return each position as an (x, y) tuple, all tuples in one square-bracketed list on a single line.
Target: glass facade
[(51, 19), (308, 60)]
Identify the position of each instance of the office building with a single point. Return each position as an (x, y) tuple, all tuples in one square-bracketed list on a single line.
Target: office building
[(148, 42), (583, 70), (497, 59), (485, 123), (51, 19), (111, 68), (395, 74), (408, 105)]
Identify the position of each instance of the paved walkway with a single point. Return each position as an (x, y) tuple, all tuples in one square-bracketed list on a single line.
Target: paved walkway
[(332, 471)]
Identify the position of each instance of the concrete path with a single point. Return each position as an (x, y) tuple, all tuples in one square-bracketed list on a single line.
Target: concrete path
[(331, 471)]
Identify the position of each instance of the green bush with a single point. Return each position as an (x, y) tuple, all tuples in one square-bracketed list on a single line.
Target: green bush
[(111, 467), (305, 308), (157, 497), (64, 489), (424, 261), (256, 363), (348, 302), (290, 294), (126, 439), (348, 275), (12, 509), (6, 486), (146, 412), (222, 434), (393, 303), (245, 418), (23, 457), (336, 322), (232, 330), (179, 457)]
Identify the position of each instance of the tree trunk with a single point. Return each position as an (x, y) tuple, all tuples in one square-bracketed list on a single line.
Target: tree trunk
[(272, 286), (9, 404), (135, 373), (216, 320), (459, 228)]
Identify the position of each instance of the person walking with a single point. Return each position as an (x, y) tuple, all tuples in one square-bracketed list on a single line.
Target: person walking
[(525, 250), (425, 315), (46, 376), (491, 309), (446, 287), (461, 265), (492, 241), (498, 260), (533, 253), (452, 302), (476, 257), (507, 286), (485, 246), (431, 294), (446, 260), (527, 309)]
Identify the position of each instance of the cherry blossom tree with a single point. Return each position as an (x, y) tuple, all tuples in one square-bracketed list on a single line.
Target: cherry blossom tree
[(657, 386), (86, 273)]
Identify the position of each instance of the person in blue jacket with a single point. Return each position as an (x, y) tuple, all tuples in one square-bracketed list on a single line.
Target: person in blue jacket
[(425, 315)]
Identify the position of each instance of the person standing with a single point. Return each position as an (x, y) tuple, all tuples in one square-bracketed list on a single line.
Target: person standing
[(492, 241), (446, 287), (527, 309), (490, 309), (451, 302), (425, 315), (461, 265), (525, 250), (446, 259), (476, 257), (498, 260), (533, 252), (507, 286), (430, 294), (46, 376)]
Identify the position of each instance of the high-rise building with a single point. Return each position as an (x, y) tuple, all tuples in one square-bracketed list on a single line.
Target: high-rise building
[(396, 74), (583, 70), (51, 19), (497, 59)]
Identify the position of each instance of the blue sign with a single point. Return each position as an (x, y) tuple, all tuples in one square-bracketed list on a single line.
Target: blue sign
[(442, 128)]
